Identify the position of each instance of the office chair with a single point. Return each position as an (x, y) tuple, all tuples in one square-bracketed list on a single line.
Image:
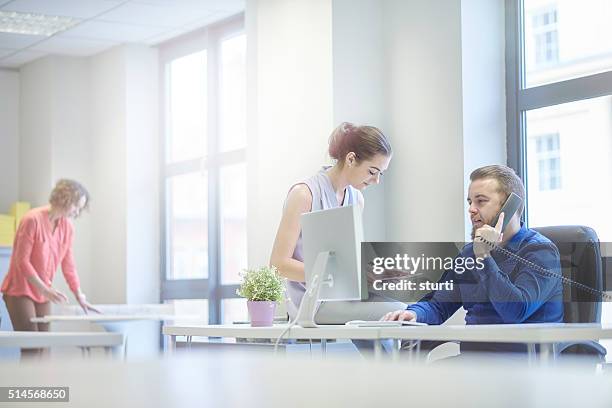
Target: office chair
[(581, 262)]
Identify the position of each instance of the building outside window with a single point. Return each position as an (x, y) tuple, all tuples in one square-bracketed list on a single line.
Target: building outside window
[(559, 116), (549, 162), (546, 36)]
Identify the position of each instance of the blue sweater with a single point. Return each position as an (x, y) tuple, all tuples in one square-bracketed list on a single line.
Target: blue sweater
[(504, 291)]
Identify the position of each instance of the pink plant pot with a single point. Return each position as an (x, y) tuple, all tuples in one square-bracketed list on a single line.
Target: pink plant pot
[(261, 312)]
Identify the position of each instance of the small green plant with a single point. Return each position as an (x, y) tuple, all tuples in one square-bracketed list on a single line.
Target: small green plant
[(262, 284)]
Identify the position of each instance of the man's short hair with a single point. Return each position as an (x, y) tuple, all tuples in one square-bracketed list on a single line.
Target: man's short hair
[(507, 180)]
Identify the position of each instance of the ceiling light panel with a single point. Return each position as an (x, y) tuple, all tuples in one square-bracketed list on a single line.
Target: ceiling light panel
[(34, 24), (82, 9)]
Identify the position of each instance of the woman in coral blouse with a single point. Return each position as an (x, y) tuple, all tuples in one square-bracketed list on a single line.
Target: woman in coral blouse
[(43, 242)]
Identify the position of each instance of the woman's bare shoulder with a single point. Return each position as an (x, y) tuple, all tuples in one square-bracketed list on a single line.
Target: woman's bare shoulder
[(300, 197)]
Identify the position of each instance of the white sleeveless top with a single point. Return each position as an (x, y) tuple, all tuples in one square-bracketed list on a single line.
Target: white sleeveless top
[(323, 198)]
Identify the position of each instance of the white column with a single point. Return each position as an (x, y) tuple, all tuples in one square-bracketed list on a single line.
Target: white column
[(290, 56)]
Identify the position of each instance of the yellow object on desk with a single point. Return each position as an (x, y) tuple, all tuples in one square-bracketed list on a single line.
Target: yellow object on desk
[(7, 230), (18, 210)]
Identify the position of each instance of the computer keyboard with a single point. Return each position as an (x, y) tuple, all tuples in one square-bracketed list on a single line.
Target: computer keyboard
[(383, 323)]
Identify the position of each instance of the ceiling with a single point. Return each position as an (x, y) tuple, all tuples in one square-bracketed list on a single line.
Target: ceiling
[(107, 23)]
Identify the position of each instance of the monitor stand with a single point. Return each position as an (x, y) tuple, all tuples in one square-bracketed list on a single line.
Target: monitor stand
[(310, 300)]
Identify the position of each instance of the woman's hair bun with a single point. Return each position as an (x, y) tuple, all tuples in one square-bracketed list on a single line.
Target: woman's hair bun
[(364, 141)]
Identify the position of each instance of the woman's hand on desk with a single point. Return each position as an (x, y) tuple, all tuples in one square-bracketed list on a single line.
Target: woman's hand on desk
[(401, 315), (80, 297)]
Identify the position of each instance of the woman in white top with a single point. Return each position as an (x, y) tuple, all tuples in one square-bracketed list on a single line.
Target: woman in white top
[(362, 154)]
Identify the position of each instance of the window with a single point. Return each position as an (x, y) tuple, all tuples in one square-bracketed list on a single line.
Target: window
[(563, 39), (204, 185), (559, 109), (549, 162), (546, 37)]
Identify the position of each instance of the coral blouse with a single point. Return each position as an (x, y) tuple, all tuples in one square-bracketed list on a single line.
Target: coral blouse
[(38, 250)]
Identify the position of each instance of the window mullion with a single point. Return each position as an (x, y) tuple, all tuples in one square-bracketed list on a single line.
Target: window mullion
[(571, 90), (214, 227), (513, 83)]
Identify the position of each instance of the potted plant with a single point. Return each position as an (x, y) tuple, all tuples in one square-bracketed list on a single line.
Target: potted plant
[(262, 288)]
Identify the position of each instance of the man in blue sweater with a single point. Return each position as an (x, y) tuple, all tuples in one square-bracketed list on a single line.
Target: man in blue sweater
[(505, 290)]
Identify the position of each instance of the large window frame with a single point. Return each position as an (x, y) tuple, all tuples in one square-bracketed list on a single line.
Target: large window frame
[(210, 288), (520, 99)]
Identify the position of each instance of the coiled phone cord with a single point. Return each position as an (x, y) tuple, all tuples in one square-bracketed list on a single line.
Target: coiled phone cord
[(545, 271)]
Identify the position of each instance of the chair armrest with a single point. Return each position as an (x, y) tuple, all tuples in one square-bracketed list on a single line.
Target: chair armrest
[(581, 348)]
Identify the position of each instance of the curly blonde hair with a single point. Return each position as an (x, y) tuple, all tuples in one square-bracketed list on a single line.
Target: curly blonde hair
[(68, 192)]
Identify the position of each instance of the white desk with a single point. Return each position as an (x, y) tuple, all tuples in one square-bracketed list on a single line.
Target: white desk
[(30, 340), (104, 318), (322, 333), (544, 334), (272, 332), (237, 380), (531, 334), (117, 323)]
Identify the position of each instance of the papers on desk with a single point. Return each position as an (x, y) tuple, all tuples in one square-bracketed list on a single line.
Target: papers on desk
[(383, 323)]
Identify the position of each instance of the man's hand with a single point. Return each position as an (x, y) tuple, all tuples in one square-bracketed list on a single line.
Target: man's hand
[(54, 295), (82, 299), (400, 315), (490, 234)]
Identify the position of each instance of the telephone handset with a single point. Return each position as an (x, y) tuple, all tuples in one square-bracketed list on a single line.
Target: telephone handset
[(510, 208)]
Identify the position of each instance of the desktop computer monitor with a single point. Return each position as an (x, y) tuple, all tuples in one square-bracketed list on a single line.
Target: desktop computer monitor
[(337, 231), (336, 270)]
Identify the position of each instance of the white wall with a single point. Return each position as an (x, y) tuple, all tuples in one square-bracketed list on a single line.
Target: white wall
[(358, 84), (109, 210), (293, 98), (125, 169), (35, 139), (424, 199), (9, 138), (70, 148), (483, 85), (142, 150)]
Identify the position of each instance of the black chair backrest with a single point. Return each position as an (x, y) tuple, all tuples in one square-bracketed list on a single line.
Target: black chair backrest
[(580, 262)]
